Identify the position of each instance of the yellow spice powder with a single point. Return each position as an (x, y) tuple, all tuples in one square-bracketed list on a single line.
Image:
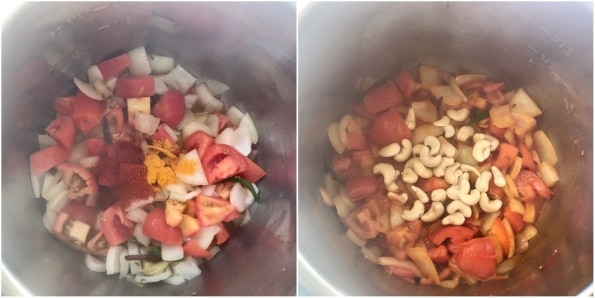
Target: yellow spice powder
[(157, 171), (186, 166)]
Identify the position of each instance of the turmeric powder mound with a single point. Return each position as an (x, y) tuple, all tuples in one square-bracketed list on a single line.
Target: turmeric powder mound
[(186, 166), (166, 176), (158, 172)]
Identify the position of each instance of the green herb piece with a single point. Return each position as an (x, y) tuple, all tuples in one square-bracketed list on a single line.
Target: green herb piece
[(483, 115), (247, 185)]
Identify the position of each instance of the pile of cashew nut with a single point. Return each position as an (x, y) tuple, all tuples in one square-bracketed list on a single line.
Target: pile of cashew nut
[(435, 157)]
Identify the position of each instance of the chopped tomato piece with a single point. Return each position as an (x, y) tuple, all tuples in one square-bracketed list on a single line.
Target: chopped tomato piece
[(361, 221), (364, 159), (232, 216), (192, 249), (499, 231), (87, 113), (135, 87), (515, 219), (80, 180), (222, 161), (95, 146), (357, 141), (382, 98), (115, 226), (456, 234), (389, 128), (495, 131), (62, 131), (489, 87), (506, 156), (63, 105), (432, 183), (78, 210), (406, 84), (477, 258), (222, 235), (47, 158), (529, 186), (341, 165), (360, 110), (170, 108), (359, 187), (402, 237), (189, 225), (161, 135), (253, 173), (224, 122), (527, 157), (439, 255), (212, 210), (114, 66), (200, 141), (157, 228)]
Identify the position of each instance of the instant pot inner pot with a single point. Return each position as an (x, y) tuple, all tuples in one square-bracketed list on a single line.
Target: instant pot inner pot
[(249, 46), (544, 48)]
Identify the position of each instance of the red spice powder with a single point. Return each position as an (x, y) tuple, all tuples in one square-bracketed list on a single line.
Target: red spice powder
[(132, 184)]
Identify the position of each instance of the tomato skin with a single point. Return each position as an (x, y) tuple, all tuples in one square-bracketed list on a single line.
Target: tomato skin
[(116, 227), (389, 128), (78, 210), (95, 146), (515, 219), (254, 171), (63, 105), (200, 141), (47, 158), (212, 210), (382, 98), (359, 187), (456, 234), (114, 66), (170, 108), (363, 159), (192, 249), (530, 186), (477, 258), (87, 113), (222, 161), (406, 84), (439, 255), (71, 170), (224, 122), (62, 130), (161, 135), (222, 235), (157, 228), (135, 87), (431, 184)]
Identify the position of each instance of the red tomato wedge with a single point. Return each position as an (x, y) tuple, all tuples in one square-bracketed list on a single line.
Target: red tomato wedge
[(78, 210), (80, 180), (254, 171), (212, 210), (200, 141), (224, 122), (382, 98), (530, 186), (47, 158), (456, 234), (389, 128), (192, 249), (114, 66), (477, 258), (515, 219), (63, 105), (170, 108), (221, 161), (135, 87), (161, 135), (406, 84), (62, 130), (222, 235), (431, 184), (359, 187), (115, 226), (157, 228), (95, 146), (87, 113)]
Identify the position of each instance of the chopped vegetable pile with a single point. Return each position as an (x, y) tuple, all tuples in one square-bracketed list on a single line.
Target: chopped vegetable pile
[(439, 178), (144, 169)]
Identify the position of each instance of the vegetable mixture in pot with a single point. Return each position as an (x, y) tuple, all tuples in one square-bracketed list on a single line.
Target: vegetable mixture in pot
[(144, 168), (440, 178)]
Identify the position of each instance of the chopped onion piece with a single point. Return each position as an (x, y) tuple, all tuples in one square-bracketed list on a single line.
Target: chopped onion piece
[(48, 183), (146, 123), (429, 76), (205, 236), (135, 266), (160, 86), (197, 176), (187, 120), (89, 161), (91, 201), (78, 152), (130, 278), (214, 250), (161, 196), (179, 78), (175, 280), (36, 183), (355, 239), (235, 115), (143, 278), (208, 190), (112, 261), (371, 253), (94, 264), (190, 100), (55, 190), (244, 219), (227, 137), (217, 88), (111, 83), (242, 140), (507, 265), (240, 197), (178, 188), (488, 221), (193, 127), (49, 217), (138, 234), (213, 124), (139, 63), (184, 197), (88, 89), (124, 264), (187, 269), (170, 132), (248, 123), (160, 64), (548, 173), (209, 102), (94, 74), (171, 252), (45, 141), (137, 215)]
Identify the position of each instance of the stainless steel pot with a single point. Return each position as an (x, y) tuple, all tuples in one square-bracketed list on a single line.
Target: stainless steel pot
[(250, 46), (545, 48)]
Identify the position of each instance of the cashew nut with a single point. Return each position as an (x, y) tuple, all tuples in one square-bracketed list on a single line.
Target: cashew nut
[(438, 195), (433, 143), (459, 206), (402, 197), (415, 212), (471, 198), (387, 171), (493, 141), (434, 213), (417, 149), (499, 179), (427, 159), (449, 131), (333, 136), (488, 205), (446, 148), (420, 194), (442, 122), (421, 170), (409, 176), (456, 219), (439, 171), (483, 181), (392, 187), (461, 187), (464, 185), (390, 150), (481, 150), (410, 119), (465, 133), (405, 152), (346, 125), (459, 115), (450, 173), (469, 168)]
